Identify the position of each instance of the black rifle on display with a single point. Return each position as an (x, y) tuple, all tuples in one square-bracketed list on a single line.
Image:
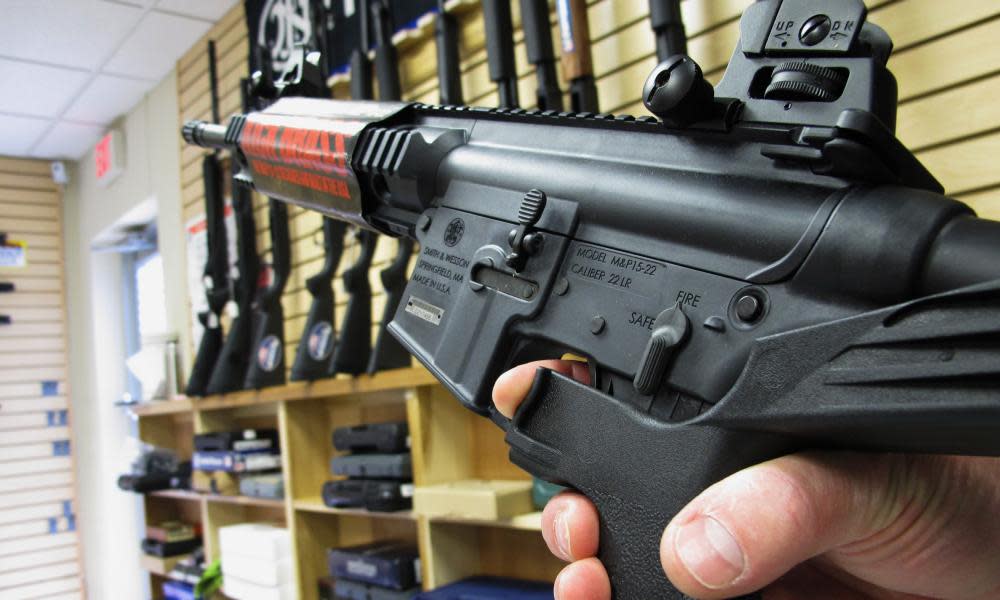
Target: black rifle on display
[(538, 40), (577, 63), (230, 369), (216, 273), (354, 344), (500, 50), (314, 355), (449, 66), (267, 350), (354, 347), (668, 26), (388, 353), (762, 269)]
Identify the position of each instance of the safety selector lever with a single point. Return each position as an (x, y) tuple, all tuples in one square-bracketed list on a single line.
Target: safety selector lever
[(669, 330)]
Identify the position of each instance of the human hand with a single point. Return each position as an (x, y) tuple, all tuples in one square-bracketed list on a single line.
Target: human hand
[(830, 525)]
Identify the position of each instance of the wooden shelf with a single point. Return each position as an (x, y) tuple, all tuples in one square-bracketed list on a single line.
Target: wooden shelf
[(317, 506), (161, 566), (244, 500), (396, 379), (180, 404), (178, 495), (193, 496), (526, 522)]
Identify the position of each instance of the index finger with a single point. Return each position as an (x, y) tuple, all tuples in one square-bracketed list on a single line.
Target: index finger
[(511, 388)]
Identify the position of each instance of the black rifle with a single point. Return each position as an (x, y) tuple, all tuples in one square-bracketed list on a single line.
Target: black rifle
[(762, 269), (577, 63), (388, 353), (361, 67), (314, 356), (449, 66), (267, 364), (538, 39), (500, 50), (230, 370), (216, 271), (267, 358), (386, 58), (668, 26), (355, 344)]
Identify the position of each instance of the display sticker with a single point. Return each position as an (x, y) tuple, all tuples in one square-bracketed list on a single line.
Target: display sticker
[(14, 254)]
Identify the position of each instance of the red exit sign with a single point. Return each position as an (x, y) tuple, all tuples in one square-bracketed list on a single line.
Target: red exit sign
[(109, 157)]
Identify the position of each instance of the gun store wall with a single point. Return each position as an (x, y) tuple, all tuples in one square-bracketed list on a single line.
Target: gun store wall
[(263, 428)]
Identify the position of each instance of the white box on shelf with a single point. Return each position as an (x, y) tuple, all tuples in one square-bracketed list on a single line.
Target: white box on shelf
[(260, 571), (266, 541), (236, 588)]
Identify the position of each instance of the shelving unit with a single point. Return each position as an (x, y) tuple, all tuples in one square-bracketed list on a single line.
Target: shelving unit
[(448, 443)]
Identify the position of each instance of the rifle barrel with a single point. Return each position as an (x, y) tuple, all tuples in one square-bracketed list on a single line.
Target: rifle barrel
[(500, 50)]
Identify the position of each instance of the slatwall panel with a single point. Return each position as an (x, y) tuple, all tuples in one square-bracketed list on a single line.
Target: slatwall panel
[(39, 548), (945, 61)]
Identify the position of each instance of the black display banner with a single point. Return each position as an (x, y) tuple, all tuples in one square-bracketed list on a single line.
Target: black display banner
[(278, 25)]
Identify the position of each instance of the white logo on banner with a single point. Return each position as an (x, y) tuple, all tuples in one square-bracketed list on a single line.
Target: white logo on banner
[(283, 24)]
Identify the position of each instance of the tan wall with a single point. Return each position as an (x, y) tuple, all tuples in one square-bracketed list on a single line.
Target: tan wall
[(97, 350), (39, 545), (945, 60)]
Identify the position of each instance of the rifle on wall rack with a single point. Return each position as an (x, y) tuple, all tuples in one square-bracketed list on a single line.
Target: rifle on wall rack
[(388, 353), (577, 63), (267, 358), (354, 341), (215, 275), (234, 359), (668, 26), (538, 40), (354, 345), (449, 65), (314, 354), (500, 50)]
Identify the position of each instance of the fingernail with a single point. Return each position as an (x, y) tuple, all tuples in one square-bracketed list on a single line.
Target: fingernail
[(561, 524), (709, 552), (557, 587)]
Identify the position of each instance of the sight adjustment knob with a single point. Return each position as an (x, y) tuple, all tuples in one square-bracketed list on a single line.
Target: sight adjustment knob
[(804, 81)]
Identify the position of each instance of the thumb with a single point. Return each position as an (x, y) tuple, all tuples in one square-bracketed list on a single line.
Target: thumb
[(749, 529)]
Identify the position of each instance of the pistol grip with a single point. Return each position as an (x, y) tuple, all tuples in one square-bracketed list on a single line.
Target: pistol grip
[(638, 472)]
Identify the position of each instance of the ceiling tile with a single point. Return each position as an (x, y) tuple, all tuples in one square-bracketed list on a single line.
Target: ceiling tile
[(105, 99), (154, 46), (77, 33), (211, 10), (38, 90), (19, 133), (68, 140)]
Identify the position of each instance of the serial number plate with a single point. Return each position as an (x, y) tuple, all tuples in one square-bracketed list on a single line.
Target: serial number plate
[(424, 310)]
